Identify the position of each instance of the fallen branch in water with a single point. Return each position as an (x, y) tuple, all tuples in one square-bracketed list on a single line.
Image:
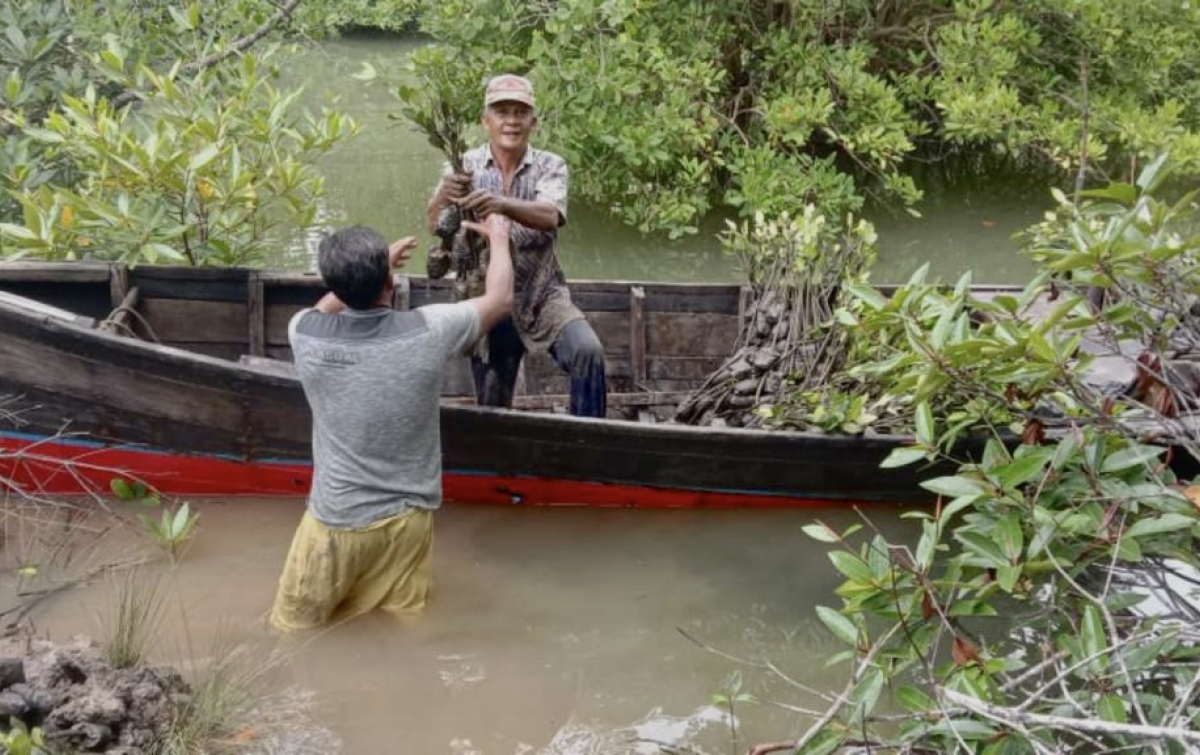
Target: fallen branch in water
[(33, 598), (764, 749), (1014, 717), (765, 665)]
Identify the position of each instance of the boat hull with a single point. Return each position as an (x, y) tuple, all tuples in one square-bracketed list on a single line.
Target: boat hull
[(92, 404), (53, 466)]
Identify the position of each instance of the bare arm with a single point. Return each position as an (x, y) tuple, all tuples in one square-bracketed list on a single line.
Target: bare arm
[(398, 254), (330, 304), (538, 214), (497, 299)]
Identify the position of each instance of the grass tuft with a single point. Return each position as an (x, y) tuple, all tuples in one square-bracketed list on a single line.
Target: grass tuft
[(132, 623)]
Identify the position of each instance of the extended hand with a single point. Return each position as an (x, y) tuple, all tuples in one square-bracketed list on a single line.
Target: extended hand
[(495, 229), (400, 251), (484, 202), (454, 186)]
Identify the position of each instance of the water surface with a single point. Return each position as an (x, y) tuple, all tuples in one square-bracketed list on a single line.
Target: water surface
[(550, 631)]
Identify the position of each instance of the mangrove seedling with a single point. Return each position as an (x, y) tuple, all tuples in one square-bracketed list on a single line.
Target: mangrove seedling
[(173, 530)]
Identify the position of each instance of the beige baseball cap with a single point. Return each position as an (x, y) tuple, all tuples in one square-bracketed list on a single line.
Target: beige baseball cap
[(509, 88)]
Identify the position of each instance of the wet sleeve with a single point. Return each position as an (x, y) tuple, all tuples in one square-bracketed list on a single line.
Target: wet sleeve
[(551, 184)]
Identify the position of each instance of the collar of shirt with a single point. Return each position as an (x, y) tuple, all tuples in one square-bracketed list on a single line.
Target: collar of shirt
[(526, 159)]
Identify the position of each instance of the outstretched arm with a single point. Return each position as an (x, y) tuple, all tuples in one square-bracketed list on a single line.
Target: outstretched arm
[(497, 299), (538, 214)]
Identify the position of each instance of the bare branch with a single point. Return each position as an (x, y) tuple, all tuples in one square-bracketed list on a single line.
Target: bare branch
[(1015, 717)]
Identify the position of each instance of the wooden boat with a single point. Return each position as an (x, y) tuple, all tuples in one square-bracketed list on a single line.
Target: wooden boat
[(178, 377)]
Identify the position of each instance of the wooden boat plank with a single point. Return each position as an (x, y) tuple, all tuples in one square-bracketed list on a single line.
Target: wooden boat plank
[(674, 334), (118, 390), (672, 456), (147, 394), (657, 300), (273, 279), (277, 318), (77, 272), (200, 283), (294, 294), (637, 334), (612, 328), (173, 363), (221, 290), (187, 321), (185, 274), (256, 316)]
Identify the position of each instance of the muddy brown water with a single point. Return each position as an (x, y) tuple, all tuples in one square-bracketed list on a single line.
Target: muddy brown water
[(551, 631)]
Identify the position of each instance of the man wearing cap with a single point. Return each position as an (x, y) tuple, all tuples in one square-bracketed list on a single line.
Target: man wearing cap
[(529, 186)]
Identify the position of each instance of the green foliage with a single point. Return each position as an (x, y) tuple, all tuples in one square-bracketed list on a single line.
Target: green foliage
[(135, 492), (1038, 608), (172, 529), (21, 740), (337, 15), (666, 110), (135, 137), (443, 94)]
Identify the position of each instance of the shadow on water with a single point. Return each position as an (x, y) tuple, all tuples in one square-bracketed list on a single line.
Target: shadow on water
[(384, 177)]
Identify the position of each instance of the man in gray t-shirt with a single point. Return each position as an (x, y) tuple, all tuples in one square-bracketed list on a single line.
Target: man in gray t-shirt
[(372, 377)]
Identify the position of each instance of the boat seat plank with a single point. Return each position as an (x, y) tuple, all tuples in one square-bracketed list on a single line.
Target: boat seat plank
[(33, 272), (276, 367), (36, 307)]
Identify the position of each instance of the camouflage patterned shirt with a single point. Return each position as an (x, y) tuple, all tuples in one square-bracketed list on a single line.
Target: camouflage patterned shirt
[(541, 302)]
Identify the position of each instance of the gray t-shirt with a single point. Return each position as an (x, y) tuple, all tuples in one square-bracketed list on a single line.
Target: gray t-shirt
[(373, 378)]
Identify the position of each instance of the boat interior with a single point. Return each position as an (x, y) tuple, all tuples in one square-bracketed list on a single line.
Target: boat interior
[(661, 339)]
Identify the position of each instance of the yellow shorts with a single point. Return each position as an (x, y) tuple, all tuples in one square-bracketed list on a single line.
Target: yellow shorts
[(334, 574)]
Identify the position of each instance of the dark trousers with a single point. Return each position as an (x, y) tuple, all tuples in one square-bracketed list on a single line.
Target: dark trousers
[(577, 351)]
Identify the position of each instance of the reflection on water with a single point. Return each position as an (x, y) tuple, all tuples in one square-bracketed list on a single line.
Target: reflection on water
[(551, 630), (384, 177)]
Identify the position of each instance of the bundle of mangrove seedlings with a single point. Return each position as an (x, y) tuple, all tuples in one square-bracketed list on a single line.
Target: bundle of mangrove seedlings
[(791, 341), (442, 105)]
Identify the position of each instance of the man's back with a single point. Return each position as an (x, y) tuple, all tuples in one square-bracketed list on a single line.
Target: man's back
[(373, 378)]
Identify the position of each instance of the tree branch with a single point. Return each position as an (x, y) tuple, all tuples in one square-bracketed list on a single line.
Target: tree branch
[(1011, 716), (241, 45), (1081, 176)]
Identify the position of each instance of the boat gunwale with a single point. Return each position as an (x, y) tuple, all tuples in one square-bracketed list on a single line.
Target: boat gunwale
[(238, 372)]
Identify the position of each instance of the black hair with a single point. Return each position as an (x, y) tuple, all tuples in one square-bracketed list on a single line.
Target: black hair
[(354, 264)]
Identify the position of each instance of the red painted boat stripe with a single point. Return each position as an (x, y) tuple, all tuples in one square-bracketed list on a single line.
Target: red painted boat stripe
[(57, 467)]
